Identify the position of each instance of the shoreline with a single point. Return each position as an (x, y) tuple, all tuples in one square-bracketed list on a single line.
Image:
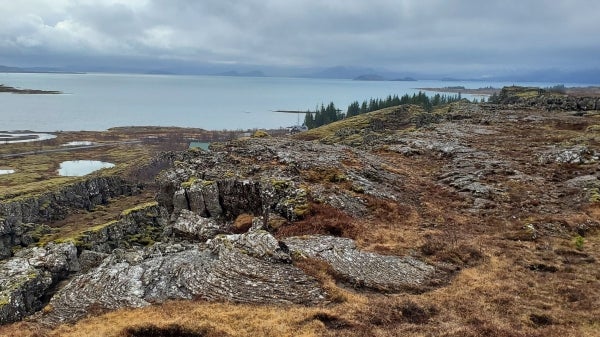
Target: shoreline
[(463, 90), (13, 90)]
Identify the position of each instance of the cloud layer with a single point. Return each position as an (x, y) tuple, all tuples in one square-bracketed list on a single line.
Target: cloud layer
[(465, 36)]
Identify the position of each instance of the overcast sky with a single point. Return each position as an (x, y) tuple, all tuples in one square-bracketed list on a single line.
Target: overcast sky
[(461, 36)]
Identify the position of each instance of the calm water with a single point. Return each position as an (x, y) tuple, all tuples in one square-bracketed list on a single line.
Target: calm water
[(102, 101), (78, 168)]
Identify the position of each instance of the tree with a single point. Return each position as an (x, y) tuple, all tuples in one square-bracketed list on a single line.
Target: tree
[(353, 109)]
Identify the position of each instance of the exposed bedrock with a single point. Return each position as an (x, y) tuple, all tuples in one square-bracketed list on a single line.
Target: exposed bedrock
[(53, 205), (249, 268)]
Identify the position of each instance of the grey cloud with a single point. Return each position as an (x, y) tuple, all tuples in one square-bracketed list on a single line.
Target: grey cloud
[(393, 34)]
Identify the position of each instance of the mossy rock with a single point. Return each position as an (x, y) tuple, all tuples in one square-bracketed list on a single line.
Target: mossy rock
[(260, 134)]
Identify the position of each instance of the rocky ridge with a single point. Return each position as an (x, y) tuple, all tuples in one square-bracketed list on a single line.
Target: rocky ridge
[(21, 216), (183, 247)]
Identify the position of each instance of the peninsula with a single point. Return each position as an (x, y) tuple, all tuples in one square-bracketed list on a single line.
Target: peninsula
[(13, 90)]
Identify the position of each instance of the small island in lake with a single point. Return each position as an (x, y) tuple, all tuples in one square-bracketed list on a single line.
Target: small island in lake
[(13, 90)]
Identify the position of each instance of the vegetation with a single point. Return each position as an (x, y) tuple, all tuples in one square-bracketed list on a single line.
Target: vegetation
[(558, 89), (330, 114)]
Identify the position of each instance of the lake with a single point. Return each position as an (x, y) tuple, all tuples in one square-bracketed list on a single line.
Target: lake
[(100, 101)]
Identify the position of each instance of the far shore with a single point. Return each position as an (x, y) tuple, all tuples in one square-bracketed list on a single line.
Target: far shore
[(590, 91), (462, 90), (13, 90)]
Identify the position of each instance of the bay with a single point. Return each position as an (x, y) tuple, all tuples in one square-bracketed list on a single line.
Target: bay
[(97, 102)]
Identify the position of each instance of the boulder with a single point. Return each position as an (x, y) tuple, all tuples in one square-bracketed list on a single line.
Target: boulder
[(192, 226)]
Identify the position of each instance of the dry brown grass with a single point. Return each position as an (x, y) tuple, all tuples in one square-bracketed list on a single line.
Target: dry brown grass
[(322, 219), (242, 223), (191, 316)]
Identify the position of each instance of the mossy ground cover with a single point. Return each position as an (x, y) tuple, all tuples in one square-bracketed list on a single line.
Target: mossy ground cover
[(37, 172), (82, 220)]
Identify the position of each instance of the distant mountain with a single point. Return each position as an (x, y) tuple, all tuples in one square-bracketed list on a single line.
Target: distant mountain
[(375, 77), (369, 77), (159, 72), (6, 69), (340, 72), (253, 73)]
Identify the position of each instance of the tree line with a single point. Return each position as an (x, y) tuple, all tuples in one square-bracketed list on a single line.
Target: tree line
[(329, 114)]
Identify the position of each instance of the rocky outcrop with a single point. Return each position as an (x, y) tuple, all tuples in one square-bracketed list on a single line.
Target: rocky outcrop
[(141, 225), (27, 278), (54, 205), (572, 155), (362, 269), (249, 268), (273, 175), (190, 225), (182, 247), (531, 97)]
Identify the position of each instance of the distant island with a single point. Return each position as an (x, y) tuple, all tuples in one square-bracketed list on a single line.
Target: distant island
[(12, 90), (375, 77)]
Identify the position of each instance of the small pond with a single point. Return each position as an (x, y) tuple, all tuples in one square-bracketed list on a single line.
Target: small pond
[(6, 172), (78, 168), (9, 138), (200, 145), (79, 143)]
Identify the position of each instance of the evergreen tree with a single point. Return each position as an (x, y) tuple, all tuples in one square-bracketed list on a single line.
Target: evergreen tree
[(353, 109)]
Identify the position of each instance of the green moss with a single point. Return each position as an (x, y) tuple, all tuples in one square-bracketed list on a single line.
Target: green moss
[(337, 177), (98, 228), (207, 182), (594, 195), (142, 238), (528, 94), (260, 134), (593, 128), (358, 189), (139, 208), (280, 184), (301, 210), (187, 184), (579, 241)]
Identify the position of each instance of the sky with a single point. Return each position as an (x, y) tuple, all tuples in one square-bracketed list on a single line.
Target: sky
[(461, 37)]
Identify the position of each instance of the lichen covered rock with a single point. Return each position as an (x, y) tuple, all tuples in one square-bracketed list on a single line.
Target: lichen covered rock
[(232, 268), (363, 269)]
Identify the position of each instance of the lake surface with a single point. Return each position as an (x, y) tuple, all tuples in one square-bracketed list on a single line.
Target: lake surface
[(100, 101), (9, 138), (78, 168)]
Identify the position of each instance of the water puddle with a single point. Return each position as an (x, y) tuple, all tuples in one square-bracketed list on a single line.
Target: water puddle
[(78, 168), (79, 143), (199, 145)]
